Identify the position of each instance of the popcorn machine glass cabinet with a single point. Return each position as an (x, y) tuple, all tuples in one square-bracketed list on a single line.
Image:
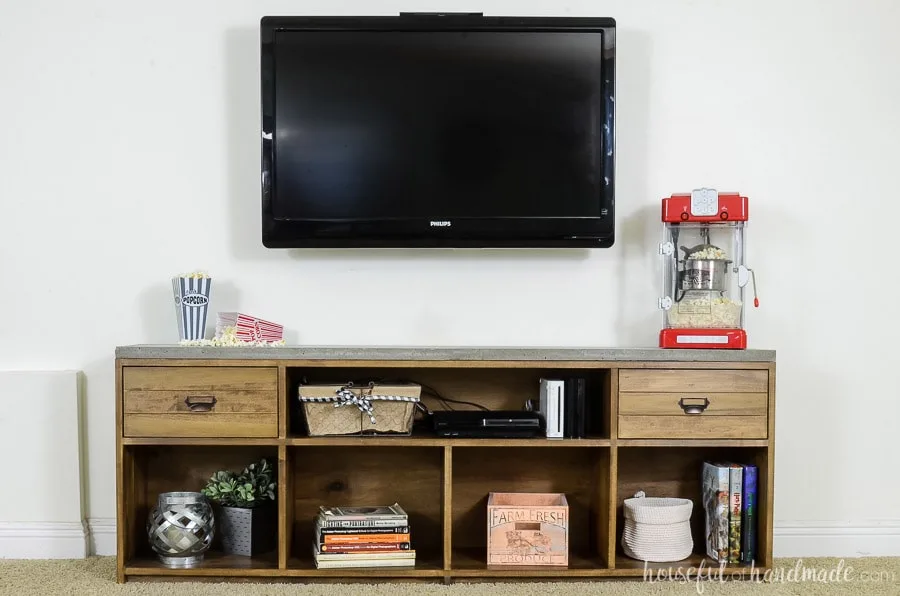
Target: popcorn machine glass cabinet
[(704, 275)]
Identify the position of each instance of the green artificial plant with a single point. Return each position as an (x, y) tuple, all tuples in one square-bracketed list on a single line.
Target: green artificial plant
[(251, 488)]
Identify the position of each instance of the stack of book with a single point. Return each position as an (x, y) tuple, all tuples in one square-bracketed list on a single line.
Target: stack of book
[(730, 502), (362, 537)]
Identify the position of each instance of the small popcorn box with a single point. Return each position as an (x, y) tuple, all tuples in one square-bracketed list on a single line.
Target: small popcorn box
[(191, 304), (250, 328)]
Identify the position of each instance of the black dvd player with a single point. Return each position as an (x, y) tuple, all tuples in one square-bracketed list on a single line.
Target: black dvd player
[(506, 424)]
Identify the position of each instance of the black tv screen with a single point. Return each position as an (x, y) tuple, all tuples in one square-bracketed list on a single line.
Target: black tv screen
[(436, 131)]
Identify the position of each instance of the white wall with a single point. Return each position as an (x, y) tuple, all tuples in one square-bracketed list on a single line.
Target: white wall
[(119, 121), (41, 508)]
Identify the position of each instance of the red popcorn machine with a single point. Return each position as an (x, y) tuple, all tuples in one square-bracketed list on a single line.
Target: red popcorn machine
[(704, 273)]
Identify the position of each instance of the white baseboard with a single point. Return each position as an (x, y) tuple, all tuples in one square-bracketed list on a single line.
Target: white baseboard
[(42, 540), (830, 539), (102, 535)]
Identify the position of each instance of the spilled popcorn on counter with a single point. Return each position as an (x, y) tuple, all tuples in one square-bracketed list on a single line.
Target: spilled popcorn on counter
[(710, 252), (228, 339)]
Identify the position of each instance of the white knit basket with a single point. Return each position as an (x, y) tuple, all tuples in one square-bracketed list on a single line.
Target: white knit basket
[(657, 530)]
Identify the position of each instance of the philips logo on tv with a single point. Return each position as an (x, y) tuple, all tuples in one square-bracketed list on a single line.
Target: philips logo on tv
[(440, 224)]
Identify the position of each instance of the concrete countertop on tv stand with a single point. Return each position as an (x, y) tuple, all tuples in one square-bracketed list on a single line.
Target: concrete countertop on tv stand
[(432, 353)]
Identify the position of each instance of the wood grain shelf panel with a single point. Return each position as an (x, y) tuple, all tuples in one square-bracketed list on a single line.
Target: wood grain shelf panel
[(214, 563), (426, 566), (472, 562), (692, 443), (246, 379), (219, 425), (686, 427), (692, 382), (202, 441)]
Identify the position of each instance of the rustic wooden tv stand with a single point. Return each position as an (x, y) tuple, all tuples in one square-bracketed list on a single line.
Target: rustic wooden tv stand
[(640, 440)]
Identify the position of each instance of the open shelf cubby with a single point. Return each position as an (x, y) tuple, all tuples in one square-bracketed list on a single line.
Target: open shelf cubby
[(355, 476), (581, 473), (443, 483), (150, 470), (493, 388), (676, 472)]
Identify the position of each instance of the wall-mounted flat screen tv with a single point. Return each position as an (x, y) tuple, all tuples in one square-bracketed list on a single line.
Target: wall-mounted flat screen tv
[(431, 130)]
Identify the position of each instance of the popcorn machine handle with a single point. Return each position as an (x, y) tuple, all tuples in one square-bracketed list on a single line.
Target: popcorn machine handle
[(755, 296)]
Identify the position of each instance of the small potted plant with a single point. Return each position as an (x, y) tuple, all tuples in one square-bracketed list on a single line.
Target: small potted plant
[(246, 516)]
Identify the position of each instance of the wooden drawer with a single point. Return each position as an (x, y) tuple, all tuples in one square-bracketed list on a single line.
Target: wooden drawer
[(678, 380), (177, 401), (693, 404)]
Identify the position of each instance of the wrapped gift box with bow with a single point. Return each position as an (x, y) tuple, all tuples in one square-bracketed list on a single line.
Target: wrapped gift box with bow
[(350, 409)]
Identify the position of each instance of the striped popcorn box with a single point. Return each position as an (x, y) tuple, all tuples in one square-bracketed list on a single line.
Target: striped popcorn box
[(255, 329), (191, 305), (250, 328)]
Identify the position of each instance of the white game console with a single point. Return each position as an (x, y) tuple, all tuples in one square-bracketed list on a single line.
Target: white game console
[(552, 405)]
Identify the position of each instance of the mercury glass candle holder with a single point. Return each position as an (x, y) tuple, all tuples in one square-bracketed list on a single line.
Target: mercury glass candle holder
[(181, 528)]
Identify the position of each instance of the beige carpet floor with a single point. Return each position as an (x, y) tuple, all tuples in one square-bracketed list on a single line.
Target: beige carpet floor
[(96, 577)]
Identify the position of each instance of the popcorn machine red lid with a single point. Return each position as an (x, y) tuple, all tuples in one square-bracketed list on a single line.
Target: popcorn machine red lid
[(705, 205)]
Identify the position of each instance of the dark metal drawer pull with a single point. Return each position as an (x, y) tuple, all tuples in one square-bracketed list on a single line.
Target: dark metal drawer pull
[(200, 403), (693, 408)]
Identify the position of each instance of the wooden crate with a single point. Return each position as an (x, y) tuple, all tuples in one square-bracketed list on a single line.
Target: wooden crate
[(528, 529)]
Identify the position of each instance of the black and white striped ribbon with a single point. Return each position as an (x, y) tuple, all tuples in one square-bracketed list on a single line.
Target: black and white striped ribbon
[(344, 397)]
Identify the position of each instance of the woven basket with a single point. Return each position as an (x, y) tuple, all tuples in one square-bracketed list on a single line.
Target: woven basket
[(354, 410), (657, 530)]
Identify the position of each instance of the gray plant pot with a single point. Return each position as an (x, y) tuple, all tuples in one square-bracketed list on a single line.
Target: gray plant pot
[(247, 532)]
